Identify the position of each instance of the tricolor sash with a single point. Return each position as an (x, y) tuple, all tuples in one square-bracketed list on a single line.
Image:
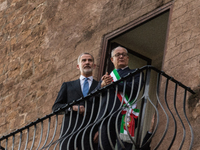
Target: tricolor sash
[(132, 113)]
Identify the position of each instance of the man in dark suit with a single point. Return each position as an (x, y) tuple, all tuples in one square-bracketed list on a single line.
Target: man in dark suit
[(120, 59), (73, 90)]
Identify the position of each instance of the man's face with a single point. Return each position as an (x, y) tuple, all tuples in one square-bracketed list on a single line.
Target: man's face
[(120, 58), (86, 65)]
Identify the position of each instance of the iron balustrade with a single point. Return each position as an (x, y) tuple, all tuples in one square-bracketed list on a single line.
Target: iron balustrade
[(48, 133)]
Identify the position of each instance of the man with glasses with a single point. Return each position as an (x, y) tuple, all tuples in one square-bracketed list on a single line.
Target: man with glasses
[(120, 59)]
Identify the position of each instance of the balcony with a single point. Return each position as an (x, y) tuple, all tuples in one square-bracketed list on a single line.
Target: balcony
[(160, 95)]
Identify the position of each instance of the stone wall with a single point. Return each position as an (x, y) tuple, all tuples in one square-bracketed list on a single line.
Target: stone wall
[(40, 41), (182, 55)]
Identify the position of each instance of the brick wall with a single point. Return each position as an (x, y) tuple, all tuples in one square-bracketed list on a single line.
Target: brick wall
[(182, 59), (40, 41), (182, 54)]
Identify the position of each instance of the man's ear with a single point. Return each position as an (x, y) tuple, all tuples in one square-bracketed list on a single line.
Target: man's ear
[(78, 67), (111, 59)]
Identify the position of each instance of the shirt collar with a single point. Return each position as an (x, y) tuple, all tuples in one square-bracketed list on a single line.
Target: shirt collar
[(83, 77), (123, 68)]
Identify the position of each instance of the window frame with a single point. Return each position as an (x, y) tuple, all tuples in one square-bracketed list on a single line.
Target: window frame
[(107, 46)]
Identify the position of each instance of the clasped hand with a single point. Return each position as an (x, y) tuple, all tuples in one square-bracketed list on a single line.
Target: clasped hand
[(81, 109), (106, 79)]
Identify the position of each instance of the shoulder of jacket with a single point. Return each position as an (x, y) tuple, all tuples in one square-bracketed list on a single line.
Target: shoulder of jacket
[(70, 82), (95, 80)]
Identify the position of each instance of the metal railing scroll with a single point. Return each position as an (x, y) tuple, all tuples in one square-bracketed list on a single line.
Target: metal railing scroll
[(154, 92)]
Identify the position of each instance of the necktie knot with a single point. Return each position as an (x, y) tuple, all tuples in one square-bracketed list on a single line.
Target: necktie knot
[(118, 70)]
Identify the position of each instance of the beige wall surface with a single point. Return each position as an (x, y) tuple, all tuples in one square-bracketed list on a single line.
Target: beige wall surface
[(182, 55), (40, 41)]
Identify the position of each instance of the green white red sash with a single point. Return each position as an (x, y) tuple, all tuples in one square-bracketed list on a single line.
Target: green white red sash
[(131, 106)]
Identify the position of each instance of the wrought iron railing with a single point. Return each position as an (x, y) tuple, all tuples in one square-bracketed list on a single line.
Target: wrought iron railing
[(160, 94)]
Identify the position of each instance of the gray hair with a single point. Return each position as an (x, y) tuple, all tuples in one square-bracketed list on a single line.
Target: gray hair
[(78, 60), (116, 48)]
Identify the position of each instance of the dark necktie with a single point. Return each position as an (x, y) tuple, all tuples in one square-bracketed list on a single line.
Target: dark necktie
[(85, 87), (118, 70)]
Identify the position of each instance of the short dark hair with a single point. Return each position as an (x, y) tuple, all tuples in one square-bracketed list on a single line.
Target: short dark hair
[(78, 60)]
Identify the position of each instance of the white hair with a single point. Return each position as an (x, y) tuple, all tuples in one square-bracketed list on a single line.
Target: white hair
[(116, 48)]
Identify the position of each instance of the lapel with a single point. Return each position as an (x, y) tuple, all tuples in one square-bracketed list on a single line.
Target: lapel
[(124, 72), (93, 85), (77, 87)]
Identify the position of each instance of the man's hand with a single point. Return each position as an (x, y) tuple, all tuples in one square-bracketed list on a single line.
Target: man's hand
[(106, 79), (96, 137), (81, 109)]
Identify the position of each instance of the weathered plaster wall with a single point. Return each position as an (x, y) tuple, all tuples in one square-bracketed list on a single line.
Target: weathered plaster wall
[(40, 41), (182, 56)]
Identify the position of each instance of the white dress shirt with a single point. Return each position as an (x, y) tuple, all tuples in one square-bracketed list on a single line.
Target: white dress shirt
[(82, 79)]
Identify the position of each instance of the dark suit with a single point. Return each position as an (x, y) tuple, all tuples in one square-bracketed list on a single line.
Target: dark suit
[(147, 146), (1, 148), (69, 92), (104, 136)]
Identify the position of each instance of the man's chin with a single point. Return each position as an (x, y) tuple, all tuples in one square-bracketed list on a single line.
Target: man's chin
[(87, 71), (122, 65)]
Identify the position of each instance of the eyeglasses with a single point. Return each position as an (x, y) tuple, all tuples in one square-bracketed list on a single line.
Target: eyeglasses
[(119, 54)]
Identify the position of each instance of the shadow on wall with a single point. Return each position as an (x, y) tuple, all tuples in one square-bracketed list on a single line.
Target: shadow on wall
[(194, 103)]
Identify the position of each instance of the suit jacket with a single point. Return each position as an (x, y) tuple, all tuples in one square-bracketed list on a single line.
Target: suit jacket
[(122, 73), (69, 92), (147, 146), (110, 103)]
